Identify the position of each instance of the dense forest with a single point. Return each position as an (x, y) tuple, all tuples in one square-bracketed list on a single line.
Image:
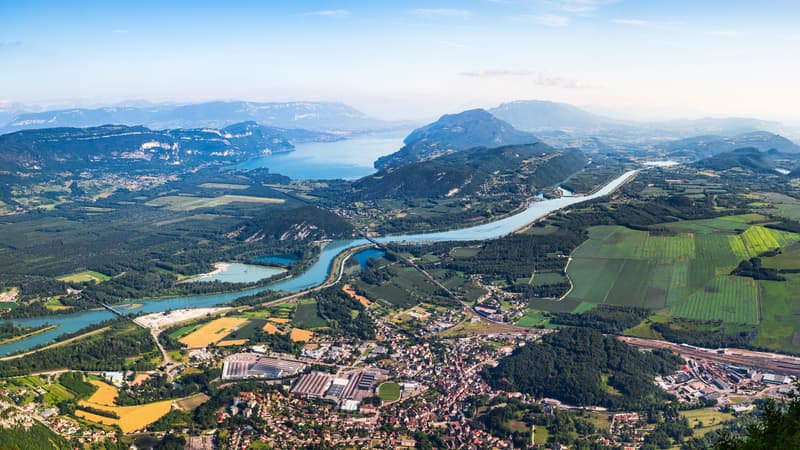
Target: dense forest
[(583, 367), (38, 437), (603, 318), (108, 350)]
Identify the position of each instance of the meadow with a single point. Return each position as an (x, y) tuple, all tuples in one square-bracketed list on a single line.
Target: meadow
[(86, 276)]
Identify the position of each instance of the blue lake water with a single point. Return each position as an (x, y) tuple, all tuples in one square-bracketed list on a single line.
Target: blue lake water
[(345, 159), (365, 255), (315, 275), (240, 273)]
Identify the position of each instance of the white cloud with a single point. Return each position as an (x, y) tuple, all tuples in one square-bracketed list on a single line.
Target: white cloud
[(538, 78), (441, 12), (548, 20), (337, 13)]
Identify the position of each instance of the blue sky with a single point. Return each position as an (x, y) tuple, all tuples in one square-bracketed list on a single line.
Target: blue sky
[(409, 59)]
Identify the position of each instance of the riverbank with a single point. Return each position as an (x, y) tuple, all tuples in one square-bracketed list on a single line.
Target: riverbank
[(56, 344), (27, 335)]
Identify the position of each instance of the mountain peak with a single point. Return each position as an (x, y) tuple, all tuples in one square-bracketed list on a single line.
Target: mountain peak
[(456, 132)]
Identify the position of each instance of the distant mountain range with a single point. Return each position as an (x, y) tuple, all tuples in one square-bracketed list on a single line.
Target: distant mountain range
[(537, 115), (455, 132), (699, 147), (124, 148), (319, 116), (753, 160)]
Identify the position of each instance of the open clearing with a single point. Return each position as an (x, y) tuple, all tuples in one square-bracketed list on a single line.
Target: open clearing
[(212, 332), (189, 203), (706, 420), (84, 277)]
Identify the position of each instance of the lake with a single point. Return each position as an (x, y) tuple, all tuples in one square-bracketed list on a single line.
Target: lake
[(365, 255), (237, 273), (346, 159), (314, 275)]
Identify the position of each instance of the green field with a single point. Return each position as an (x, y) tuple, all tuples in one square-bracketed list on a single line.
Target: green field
[(183, 331), (545, 278), (464, 252), (305, 316), (686, 271), (389, 391), (705, 420), (84, 277), (780, 315)]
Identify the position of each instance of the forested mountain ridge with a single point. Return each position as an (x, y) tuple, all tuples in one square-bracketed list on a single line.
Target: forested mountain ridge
[(304, 223), (522, 169), (745, 158), (123, 148), (453, 133)]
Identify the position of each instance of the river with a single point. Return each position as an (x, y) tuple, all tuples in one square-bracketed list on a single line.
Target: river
[(314, 276)]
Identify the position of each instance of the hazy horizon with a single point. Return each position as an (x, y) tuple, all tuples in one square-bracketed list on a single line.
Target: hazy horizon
[(412, 60)]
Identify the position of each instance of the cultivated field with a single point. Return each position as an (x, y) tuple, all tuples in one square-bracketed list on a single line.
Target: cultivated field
[(300, 335), (306, 316), (686, 270), (212, 332), (104, 395), (131, 418)]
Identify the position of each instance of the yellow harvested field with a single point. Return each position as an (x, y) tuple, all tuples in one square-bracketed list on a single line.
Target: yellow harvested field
[(270, 328), (347, 289), (96, 418), (214, 331), (105, 394), (232, 342), (278, 319), (131, 418), (301, 335)]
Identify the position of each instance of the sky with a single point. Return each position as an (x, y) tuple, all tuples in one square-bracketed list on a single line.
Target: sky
[(405, 59)]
